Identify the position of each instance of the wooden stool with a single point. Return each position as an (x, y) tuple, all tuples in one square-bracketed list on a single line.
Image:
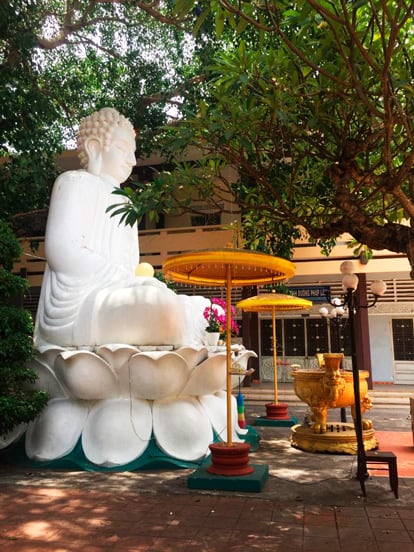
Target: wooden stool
[(382, 457)]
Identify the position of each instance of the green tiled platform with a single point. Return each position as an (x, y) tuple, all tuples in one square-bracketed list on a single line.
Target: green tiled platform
[(263, 421), (253, 482)]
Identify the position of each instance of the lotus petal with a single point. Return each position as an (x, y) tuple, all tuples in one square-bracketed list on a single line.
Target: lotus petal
[(48, 353), (57, 430), (239, 363), (215, 407), (208, 377), (117, 431), (86, 375), (192, 356), (116, 354), (47, 380), (12, 436), (154, 375), (242, 359), (181, 428)]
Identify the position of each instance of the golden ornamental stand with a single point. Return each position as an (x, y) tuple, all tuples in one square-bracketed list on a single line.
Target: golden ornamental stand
[(227, 268), (277, 413)]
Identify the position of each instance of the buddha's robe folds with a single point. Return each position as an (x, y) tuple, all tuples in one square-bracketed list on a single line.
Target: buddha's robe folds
[(90, 294)]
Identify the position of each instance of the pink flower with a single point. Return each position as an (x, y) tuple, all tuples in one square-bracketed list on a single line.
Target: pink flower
[(217, 318)]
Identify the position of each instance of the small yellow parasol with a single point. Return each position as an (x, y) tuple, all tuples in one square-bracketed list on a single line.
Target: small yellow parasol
[(227, 268), (273, 302)]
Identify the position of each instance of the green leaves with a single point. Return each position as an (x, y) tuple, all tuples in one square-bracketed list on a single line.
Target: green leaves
[(18, 403), (154, 198), (312, 104), (59, 64)]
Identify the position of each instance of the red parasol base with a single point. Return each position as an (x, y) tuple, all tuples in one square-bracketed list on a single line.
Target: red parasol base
[(277, 411), (230, 460)]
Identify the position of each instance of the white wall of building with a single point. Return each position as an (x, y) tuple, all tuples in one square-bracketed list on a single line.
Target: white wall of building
[(382, 360)]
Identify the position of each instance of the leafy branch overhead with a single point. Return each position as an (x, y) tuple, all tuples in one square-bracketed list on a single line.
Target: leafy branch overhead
[(315, 107)]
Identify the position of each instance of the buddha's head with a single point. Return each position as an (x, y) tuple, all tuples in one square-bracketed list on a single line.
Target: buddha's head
[(106, 144)]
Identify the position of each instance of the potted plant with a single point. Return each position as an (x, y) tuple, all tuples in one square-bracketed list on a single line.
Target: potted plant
[(216, 318)]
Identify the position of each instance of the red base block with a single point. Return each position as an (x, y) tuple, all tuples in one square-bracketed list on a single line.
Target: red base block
[(277, 411), (230, 460)]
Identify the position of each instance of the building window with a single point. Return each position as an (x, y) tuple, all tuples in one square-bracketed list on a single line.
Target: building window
[(317, 336), (207, 219), (340, 336), (306, 336), (267, 338), (403, 338), (295, 337)]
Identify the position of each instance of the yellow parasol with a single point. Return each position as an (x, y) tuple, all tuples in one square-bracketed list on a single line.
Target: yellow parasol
[(273, 302), (227, 267)]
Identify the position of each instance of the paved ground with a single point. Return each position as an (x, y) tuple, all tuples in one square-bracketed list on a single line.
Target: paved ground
[(311, 502)]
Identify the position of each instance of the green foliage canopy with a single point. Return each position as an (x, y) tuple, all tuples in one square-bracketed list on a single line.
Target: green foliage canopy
[(319, 116), (313, 103)]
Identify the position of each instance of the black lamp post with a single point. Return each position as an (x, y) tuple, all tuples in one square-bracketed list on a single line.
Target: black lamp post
[(335, 315), (351, 302)]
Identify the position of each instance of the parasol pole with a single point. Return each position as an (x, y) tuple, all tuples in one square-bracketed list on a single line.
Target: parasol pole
[(274, 353), (228, 353)]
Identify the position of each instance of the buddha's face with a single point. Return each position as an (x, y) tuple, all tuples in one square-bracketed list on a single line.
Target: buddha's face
[(119, 159)]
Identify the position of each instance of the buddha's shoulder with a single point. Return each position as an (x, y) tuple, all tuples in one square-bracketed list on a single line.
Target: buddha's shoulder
[(80, 177)]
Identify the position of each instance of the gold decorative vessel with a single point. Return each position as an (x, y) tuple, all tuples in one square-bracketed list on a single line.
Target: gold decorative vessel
[(322, 390)]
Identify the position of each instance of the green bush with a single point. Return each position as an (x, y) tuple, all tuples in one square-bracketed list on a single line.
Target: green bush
[(19, 402)]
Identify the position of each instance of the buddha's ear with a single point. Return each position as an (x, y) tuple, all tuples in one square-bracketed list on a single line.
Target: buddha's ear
[(93, 148)]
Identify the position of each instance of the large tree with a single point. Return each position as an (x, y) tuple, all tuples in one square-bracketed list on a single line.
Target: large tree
[(62, 60), (312, 101), (314, 104)]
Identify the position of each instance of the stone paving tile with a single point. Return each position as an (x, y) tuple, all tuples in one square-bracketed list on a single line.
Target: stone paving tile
[(408, 524), (321, 544), (388, 535), (390, 547), (286, 530), (311, 503), (355, 534), (63, 519), (394, 524), (360, 546), (325, 531)]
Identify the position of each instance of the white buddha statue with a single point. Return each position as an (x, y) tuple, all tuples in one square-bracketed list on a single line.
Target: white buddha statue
[(90, 294)]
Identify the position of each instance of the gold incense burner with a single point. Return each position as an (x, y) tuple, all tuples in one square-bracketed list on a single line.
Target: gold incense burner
[(322, 390)]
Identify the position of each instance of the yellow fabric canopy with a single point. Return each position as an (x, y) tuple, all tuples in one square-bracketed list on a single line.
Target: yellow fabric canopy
[(227, 268), (276, 301), (219, 266), (273, 302)]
